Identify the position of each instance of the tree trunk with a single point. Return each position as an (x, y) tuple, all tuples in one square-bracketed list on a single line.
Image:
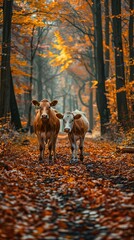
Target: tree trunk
[(31, 81), (26, 103), (5, 63), (30, 100), (119, 63), (99, 62), (107, 53), (131, 54), (64, 103), (91, 123), (131, 39), (70, 103), (15, 117), (91, 112), (39, 80)]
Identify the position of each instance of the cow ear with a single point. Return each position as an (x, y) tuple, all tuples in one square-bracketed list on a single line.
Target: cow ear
[(53, 103), (35, 103), (59, 115), (77, 116)]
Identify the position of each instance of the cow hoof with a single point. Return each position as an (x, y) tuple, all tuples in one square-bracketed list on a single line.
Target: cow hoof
[(74, 160)]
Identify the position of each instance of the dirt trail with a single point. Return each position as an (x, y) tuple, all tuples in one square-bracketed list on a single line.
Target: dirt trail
[(89, 200)]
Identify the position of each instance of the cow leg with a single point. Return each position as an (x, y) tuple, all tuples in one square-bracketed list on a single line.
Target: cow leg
[(74, 157), (50, 150), (41, 148), (53, 148), (81, 149)]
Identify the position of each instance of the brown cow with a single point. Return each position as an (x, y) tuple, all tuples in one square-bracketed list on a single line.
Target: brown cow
[(76, 125), (46, 126)]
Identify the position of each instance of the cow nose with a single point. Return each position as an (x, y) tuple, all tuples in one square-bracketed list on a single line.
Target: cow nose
[(67, 130), (45, 116)]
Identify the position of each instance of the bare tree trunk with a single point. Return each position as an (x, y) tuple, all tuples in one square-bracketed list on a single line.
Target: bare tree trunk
[(39, 80), (15, 117), (131, 54), (5, 63), (91, 122), (64, 103), (107, 53), (119, 63), (131, 39), (31, 81), (91, 112), (70, 103), (99, 62), (30, 99)]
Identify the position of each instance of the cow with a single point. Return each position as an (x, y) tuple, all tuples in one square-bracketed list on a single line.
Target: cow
[(76, 125), (46, 127)]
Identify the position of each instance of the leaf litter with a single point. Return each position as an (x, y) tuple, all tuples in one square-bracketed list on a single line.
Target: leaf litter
[(92, 199)]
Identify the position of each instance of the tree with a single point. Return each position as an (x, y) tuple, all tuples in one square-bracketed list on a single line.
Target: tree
[(99, 62), (79, 27), (119, 63), (5, 63), (107, 40), (89, 103), (131, 39), (28, 17), (131, 53), (15, 117), (7, 97)]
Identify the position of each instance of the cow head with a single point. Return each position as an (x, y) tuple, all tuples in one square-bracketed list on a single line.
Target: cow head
[(68, 120), (44, 107)]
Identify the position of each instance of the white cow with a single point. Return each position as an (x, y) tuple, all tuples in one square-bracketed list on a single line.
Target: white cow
[(76, 125)]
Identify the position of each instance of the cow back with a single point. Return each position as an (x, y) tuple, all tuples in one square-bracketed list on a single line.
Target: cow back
[(81, 125)]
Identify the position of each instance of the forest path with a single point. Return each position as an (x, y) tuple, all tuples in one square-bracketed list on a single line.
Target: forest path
[(89, 200)]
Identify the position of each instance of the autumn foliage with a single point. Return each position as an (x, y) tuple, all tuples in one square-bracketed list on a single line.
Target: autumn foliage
[(90, 200), (53, 44), (53, 55)]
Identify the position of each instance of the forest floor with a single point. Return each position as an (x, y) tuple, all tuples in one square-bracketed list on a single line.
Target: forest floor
[(92, 200)]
